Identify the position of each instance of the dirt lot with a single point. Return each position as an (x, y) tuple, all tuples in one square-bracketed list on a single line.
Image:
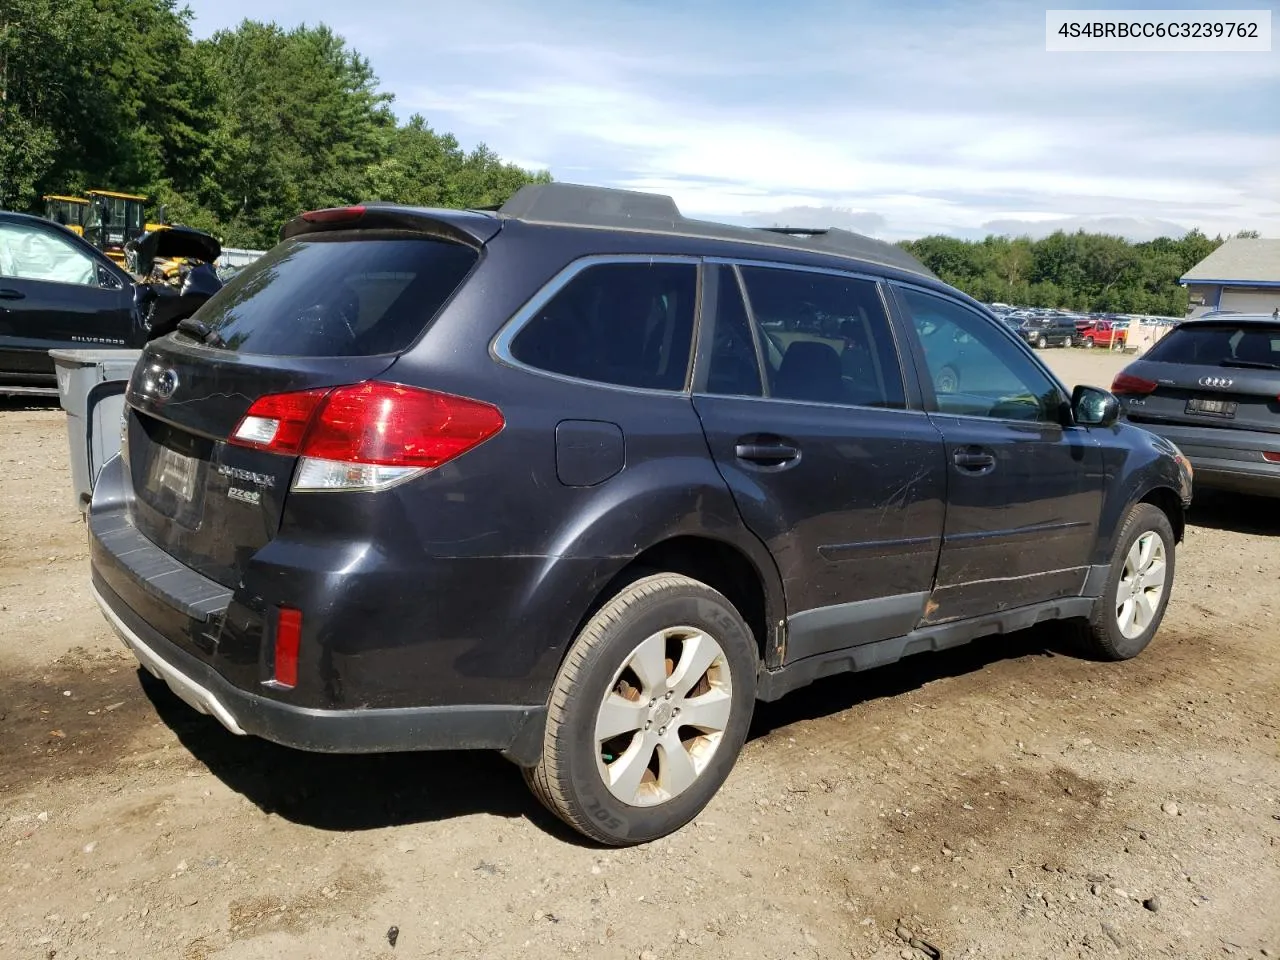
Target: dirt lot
[(1005, 800)]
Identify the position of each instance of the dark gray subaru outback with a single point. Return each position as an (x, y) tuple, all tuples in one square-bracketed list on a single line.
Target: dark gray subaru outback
[(580, 480)]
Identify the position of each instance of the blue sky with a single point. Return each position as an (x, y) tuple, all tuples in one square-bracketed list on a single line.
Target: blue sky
[(894, 119)]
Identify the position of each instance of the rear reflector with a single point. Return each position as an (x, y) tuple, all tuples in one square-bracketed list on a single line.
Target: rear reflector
[(288, 639), (1128, 383), (333, 215), (366, 436), (1271, 457)]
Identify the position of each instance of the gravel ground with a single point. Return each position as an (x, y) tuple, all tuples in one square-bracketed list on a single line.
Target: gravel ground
[(1003, 800)]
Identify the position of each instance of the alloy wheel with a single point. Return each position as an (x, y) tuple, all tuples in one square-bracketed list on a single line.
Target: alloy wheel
[(1142, 585), (663, 716)]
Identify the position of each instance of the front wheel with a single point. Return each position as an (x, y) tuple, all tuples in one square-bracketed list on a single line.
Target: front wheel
[(1042, 342), (1066, 342), (648, 712), (1088, 343), (1135, 596)]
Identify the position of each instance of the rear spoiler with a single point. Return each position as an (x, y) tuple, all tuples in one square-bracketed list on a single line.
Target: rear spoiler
[(469, 228)]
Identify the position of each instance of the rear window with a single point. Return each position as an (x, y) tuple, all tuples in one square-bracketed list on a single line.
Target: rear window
[(337, 295), (628, 324), (1214, 344)]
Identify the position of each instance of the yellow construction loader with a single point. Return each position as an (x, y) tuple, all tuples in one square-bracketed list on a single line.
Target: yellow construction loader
[(116, 223), (68, 211), (114, 219)]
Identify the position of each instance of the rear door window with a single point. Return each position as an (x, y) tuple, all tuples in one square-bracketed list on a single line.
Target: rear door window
[(338, 294), (628, 324), (1219, 344), (826, 338)]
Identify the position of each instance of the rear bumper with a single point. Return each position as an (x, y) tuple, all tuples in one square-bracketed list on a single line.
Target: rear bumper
[(394, 656), (1226, 459), (516, 731)]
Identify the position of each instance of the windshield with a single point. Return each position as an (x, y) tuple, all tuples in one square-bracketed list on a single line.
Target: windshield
[(65, 212), (336, 295), (1214, 344), (118, 220)]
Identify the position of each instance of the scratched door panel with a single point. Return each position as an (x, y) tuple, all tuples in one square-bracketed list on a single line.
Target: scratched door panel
[(1022, 531), (857, 516)]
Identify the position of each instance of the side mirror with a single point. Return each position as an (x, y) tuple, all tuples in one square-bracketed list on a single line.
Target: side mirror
[(1091, 407), (108, 281)]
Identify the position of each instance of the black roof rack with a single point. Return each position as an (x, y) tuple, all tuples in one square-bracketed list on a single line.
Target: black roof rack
[(798, 231), (582, 206)]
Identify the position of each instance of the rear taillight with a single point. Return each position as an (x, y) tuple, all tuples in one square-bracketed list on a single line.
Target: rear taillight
[(366, 436), (1128, 383), (1271, 457), (333, 215), (277, 421)]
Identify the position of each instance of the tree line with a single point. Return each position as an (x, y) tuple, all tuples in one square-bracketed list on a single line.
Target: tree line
[(234, 134), (1088, 272), (238, 133)]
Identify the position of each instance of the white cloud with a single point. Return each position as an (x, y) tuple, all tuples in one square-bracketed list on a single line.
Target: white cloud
[(938, 123), (1131, 228)]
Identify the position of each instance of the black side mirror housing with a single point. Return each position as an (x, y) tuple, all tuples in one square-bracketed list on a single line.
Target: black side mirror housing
[(1092, 407)]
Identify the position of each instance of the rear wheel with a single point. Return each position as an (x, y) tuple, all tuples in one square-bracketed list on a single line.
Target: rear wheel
[(1135, 596), (1042, 342), (1066, 342), (648, 712)]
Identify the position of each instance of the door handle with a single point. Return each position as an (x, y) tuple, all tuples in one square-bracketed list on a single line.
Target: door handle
[(772, 453), (9, 294), (974, 460)]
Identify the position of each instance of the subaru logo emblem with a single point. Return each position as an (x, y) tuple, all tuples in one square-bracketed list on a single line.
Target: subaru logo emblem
[(1216, 381), (166, 384)]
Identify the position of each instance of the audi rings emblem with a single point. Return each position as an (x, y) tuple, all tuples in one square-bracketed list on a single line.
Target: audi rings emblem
[(1216, 381)]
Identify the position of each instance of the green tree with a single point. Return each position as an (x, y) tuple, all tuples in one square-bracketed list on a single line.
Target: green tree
[(236, 134), (1078, 271), (425, 168), (45, 91), (162, 94), (1194, 247), (302, 121)]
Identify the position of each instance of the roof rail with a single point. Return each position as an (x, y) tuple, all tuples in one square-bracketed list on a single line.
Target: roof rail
[(605, 207), (797, 231), (589, 206)]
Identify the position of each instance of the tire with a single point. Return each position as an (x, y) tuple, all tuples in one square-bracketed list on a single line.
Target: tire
[(1088, 342), (1066, 342), (635, 647), (1105, 638), (1042, 342), (947, 380)]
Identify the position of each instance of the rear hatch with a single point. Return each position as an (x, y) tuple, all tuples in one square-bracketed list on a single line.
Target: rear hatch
[(334, 304), (1208, 374)]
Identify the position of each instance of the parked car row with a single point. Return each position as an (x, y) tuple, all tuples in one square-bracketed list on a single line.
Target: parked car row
[(1061, 328)]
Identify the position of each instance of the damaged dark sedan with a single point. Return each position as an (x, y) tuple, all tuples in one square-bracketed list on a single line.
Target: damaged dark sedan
[(57, 291)]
